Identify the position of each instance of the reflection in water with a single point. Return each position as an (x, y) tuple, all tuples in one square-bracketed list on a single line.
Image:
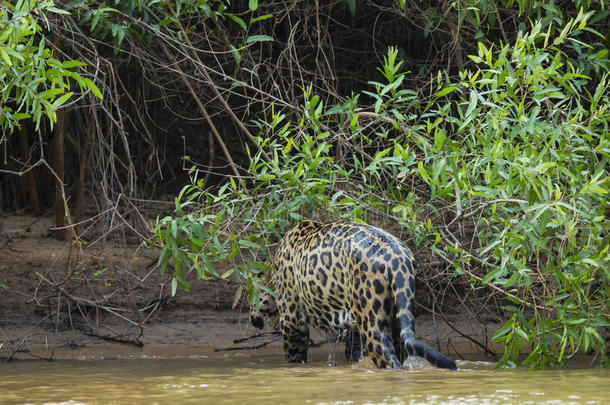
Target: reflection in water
[(268, 379)]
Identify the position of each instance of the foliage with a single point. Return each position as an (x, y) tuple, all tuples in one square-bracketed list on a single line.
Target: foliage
[(34, 83), (503, 173), (146, 20)]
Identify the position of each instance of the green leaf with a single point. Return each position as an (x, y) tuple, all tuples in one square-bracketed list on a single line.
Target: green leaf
[(57, 10), (237, 296), (354, 123), (472, 104), (62, 100), (297, 216), (238, 20), (520, 332), (236, 54), (513, 279), (95, 20), (207, 264), (5, 56), (392, 86), (253, 5), (21, 116), (423, 172), (259, 38), (507, 327), (601, 54), (227, 273), (439, 140), (100, 272), (261, 18), (594, 187), (174, 286), (50, 94), (91, 86), (249, 244), (444, 91), (492, 275), (543, 167), (69, 64)]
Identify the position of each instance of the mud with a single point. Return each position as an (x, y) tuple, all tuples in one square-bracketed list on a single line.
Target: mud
[(64, 300)]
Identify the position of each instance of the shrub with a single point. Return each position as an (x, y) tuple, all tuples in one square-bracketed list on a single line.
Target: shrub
[(503, 173)]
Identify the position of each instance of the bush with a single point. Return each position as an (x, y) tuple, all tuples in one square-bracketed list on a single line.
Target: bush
[(502, 173)]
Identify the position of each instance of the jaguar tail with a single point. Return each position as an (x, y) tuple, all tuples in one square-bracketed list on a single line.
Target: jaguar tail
[(402, 288), (423, 350)]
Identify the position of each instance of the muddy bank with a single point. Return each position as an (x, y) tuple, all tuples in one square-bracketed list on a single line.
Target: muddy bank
[(68, 300), (191, 338)]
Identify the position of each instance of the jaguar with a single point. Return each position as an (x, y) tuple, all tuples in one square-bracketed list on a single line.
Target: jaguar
[(349, 279)]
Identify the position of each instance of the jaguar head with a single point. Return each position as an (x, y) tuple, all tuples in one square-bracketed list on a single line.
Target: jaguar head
[(265, 314)]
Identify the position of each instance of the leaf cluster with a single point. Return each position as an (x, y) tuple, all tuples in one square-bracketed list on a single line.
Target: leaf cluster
[(34, 84)]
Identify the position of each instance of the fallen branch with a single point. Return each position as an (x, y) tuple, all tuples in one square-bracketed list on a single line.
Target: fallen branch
[(11, 357), (228, 349), (261, 334), (136, 342)]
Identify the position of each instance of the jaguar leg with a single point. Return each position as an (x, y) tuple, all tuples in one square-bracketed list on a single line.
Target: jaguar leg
[(353, 346), (375, 311), (295, 336), (380, 348)]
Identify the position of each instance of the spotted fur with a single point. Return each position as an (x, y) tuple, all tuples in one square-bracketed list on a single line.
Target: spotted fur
[(347, 278)]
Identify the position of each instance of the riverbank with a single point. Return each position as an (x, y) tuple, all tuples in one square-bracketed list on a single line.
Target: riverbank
[(119, 305)]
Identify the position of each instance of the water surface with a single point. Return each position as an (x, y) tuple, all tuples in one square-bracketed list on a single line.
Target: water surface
[(253, 379)]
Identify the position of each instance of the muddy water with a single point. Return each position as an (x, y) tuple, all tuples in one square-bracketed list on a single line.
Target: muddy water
[(258, 379)]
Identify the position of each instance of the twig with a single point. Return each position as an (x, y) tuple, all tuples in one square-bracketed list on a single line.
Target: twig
[(29, 353), (135, 342), (483, 346), (207, 76), (228, 349), (23, 338), (205, 114), (88, 302), (275, 332), (500, 22)]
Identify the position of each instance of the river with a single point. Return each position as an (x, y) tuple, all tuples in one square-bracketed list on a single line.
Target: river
[(251, 378)]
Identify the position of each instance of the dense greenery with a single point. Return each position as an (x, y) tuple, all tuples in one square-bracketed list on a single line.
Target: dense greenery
[(478, 131), (33, 82), (502, 173)]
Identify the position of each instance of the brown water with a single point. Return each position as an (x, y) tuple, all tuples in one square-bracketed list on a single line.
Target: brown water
[(253, 379)]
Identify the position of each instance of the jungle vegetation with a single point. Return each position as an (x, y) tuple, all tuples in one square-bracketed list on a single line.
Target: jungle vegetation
[(476, 130)]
